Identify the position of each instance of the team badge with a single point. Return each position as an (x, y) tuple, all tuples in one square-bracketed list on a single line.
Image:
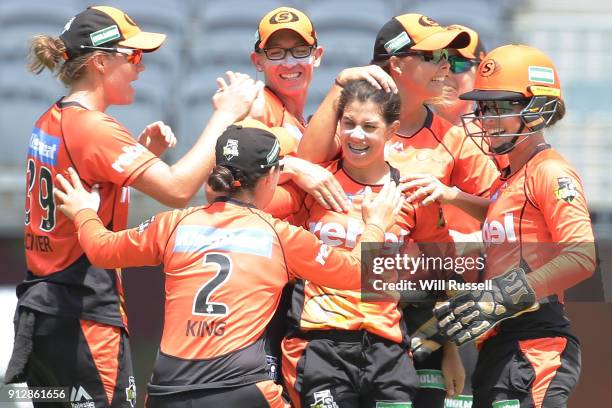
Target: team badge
[(130, 392), (567, 189), (323, 399), (230, 150)]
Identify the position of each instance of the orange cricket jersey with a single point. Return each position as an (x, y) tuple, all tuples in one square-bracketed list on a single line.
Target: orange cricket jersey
[(444, 151), (102, 152), (537, 214), (276, 115), (317, 307), (225, 267), (59, 278)]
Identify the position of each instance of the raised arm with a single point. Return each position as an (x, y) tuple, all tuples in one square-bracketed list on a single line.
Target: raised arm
[(175, 185)]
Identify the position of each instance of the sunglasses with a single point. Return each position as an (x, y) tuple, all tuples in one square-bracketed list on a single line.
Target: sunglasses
[(435, 57), (134, 55), (277, 53), (459, 64), (496, 108)]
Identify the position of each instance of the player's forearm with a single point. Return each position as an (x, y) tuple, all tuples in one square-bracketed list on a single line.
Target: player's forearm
[(318, 143), (473, 205), (575, 263), (104, 248), (192, 170)]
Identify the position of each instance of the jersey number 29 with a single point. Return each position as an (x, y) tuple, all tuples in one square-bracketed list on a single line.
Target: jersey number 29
[(45, 195)]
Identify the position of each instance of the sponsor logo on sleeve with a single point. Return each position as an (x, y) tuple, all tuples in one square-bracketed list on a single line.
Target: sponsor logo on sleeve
[(145, 224), (127, 158)]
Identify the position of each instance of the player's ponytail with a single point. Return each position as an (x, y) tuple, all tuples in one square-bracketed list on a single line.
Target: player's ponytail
[(230, 181), (45, 52), (50, 52)]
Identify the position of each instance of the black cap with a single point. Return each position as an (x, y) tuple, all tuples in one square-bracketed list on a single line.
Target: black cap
[(108, 27), (415, 32), (249, 149)]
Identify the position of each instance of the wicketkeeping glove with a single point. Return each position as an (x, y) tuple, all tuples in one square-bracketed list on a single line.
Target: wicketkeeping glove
[(470, 314)]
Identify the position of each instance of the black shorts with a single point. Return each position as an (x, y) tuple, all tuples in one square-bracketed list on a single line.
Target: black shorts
[(90, 358), (263, 394), (354, 369), (432, 391), (531, 373)]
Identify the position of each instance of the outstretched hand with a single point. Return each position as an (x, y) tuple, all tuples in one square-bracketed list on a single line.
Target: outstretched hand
[(427, 189), (237, 97), (157, 137), (72, 197)]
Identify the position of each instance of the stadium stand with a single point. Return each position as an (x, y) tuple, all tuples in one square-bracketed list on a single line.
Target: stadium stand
[(207, 38)]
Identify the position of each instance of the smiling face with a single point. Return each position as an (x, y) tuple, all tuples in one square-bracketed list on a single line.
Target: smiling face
[(422, 79), (290, 75), (500, 118), (363, 134)]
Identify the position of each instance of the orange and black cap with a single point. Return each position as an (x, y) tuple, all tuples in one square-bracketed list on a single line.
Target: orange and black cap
[(475, 50), (415, 32), (102, 26), (284, 18)]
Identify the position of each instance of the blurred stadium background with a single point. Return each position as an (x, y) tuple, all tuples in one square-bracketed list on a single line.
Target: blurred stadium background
[(206, 38)]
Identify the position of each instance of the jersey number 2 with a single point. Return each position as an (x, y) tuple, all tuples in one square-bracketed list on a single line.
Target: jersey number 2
[(45, 195), (201, 303)]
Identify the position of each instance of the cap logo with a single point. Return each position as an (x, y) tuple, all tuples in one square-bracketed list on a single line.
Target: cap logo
[(230, 150), (283, 17), (488, 68), (105, 35), (428, 22), (68, 24), (396, 43), (273, 155), (542, 74)]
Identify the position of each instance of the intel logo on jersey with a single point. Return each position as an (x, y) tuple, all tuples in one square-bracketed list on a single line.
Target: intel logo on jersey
[(192, 238), (43, 147)]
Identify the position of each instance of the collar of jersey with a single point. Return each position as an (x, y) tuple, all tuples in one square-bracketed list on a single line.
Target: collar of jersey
[(225, 199)]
